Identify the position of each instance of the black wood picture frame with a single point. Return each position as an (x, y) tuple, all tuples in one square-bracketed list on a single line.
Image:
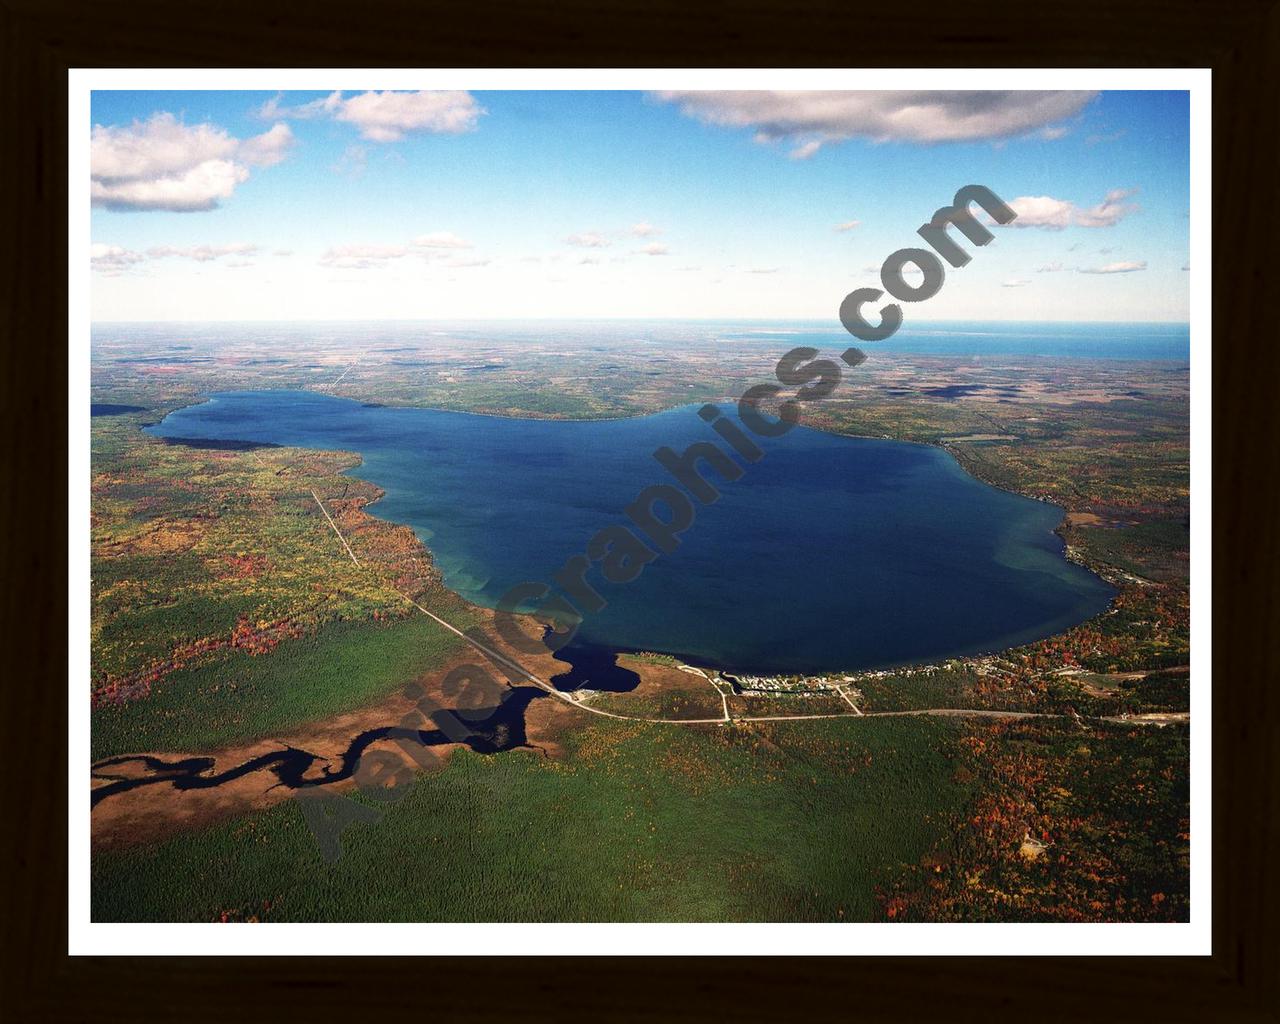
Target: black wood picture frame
[(1238, 39)]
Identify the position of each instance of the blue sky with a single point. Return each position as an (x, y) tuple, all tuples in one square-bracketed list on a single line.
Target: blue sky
[(257, 205)]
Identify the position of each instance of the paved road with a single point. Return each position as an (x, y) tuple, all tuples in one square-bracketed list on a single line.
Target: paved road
[(568, 698)]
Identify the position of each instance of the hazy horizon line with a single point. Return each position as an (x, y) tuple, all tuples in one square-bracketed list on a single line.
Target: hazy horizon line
[(834, 323)]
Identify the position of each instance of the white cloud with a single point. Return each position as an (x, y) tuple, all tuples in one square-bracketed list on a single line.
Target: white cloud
[(1050, 268), (389, 116), (762, 270), (441, 240), (112, 259), (274, 108), (1056, 214), (202, 253), (653, 249), (267, 149), (198, 188), (1042, 212), (164, 164), (361, 257), (1111, 210), (645, 230), (588, 240), (1127, 267), (1017, 282), (848, 225), (813, 118)]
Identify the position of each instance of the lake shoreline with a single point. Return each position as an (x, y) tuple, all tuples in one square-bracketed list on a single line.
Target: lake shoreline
[(744, 665)]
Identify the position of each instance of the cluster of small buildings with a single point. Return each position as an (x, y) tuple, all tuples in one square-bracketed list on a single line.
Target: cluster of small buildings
[(841, 685), (780, 685)]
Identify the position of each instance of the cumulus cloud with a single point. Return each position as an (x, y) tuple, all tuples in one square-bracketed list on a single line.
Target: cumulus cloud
[(645, 230), (1042, 212), (848, 225), (653, 249), (1112, 209), (389, 116), (361, 257), (1126, 267), (813, 118), (588, 240), (113, 259), (164, 164), (267, 149), (202, 253), (1050, 268), (1055, 214), (762, 270), (1017, 282)]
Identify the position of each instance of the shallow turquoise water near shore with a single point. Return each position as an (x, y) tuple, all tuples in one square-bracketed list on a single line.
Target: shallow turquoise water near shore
[(829, 553)]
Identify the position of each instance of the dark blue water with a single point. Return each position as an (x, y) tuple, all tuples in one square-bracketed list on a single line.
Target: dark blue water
[(829, 553), (107, 409)]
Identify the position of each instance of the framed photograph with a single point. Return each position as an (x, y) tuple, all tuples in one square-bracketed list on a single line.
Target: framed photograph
[(758, 517)]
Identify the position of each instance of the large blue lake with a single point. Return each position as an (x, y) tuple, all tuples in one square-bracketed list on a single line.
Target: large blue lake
[(829, 553)]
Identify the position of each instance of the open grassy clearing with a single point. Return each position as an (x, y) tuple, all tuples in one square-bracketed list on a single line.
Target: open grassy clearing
[(239, 697)]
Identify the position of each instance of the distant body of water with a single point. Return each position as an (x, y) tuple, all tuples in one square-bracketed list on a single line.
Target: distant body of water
[(829, 553), (967, 339), (962, 339)]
